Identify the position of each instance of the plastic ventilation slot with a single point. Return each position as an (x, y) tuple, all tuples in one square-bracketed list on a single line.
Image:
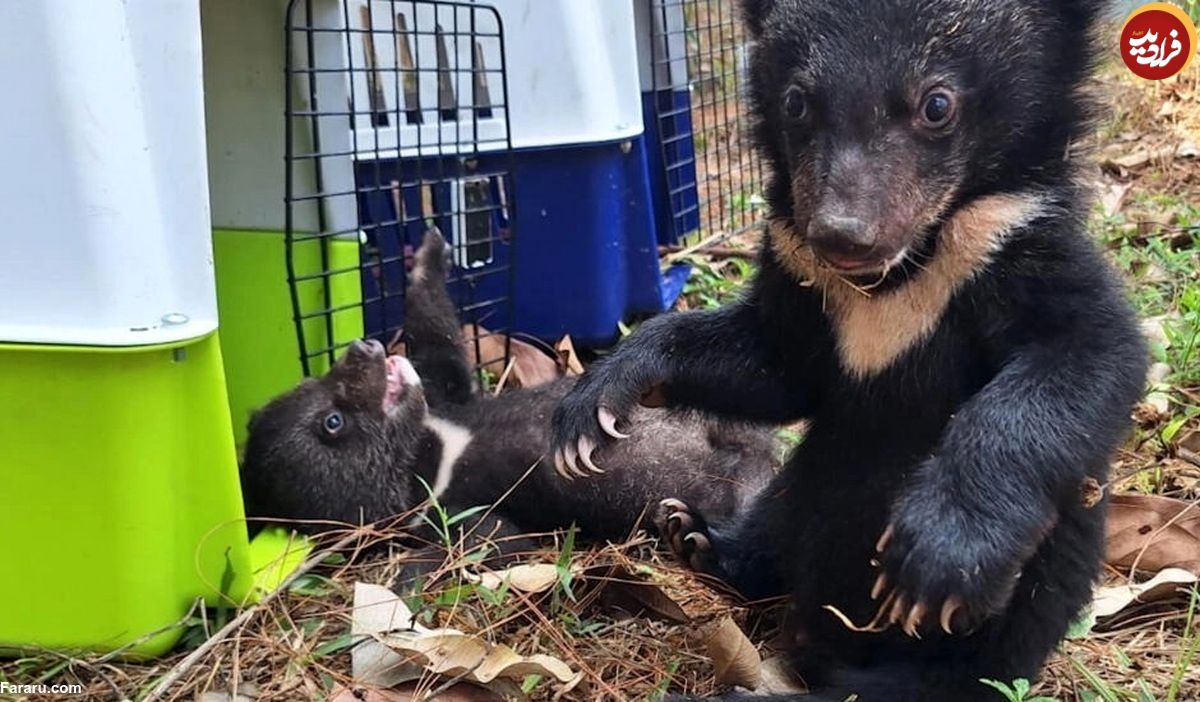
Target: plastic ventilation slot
[(447, 102), (378, 102), (408, 70)]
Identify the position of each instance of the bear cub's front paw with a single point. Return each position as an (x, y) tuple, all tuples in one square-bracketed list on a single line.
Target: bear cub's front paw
[(939, 568)]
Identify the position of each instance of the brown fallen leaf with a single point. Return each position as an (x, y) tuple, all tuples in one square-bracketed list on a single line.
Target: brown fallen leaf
[(458, 655), (1154, 411), (1154, 329), (1112, 197), (246, 693), (1190, 441), (530, 578), (1188, 447), (1113, 599), (392, 649), (1152, 533), (735, 660), (410, 692), (1138, 159), (531, 366), (1157, 374), (622, 592), (567, 358)]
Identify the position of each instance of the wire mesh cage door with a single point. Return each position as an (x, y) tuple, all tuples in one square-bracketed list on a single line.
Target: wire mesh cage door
[(710, 178), (397, 123)]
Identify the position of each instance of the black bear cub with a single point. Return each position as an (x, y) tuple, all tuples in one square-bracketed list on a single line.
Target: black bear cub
[(929, 300), (376, 435)]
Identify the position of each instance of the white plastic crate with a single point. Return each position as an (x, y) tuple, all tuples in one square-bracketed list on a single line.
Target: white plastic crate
[(106, 237), (573, 71), (443, 79), (572, 74)]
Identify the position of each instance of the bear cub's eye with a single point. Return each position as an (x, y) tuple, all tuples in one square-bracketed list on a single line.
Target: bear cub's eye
[(795, 104), (937, 109), (333, 423)]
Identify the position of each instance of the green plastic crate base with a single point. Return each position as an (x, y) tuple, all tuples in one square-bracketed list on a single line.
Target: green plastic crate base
[(258, 336), (119, 497)]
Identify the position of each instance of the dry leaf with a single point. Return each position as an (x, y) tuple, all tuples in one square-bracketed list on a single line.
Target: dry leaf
[(735, 660), (531, 366), (396, 649), (1155, 410), (457, 655), (1112, 599), (530, 363), (532, 578), (409, 692), (1112, 197), (1157, 374), (1129, 161), (1153, 330), (1154, 532), (1139, 159), (618, 588), (640, 599), (1190, 441), (377, 610), (567, 357), (226, 697), (487, 351)]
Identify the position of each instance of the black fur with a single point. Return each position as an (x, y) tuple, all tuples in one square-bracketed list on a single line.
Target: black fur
[(371, 471), (975, 442)]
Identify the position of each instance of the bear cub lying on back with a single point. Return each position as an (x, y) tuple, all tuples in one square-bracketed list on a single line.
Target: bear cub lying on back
[(372, 438)]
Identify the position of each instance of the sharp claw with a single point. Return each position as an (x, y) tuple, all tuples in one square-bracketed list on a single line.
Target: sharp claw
[(586, 448), (879, 586), (684, 521), (608, 422), (915, 615), (569, 456), (885, 539), (673, 505), (898, 609), (559, 467), (952, 607), (699, 541)]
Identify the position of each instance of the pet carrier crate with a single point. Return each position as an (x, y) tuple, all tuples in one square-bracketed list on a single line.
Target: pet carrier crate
[(612, 126), (706, 174), (459, 115), (406, 104), (117, 463)]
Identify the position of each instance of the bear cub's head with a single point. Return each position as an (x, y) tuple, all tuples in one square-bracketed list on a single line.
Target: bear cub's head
[(343, 441), (882, 119)]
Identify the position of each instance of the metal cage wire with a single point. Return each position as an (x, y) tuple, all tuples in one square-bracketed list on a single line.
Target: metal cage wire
[(397, 121), (713, 175)]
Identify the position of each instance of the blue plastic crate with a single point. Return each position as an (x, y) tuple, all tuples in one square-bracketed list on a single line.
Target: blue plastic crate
[(581, 257)]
